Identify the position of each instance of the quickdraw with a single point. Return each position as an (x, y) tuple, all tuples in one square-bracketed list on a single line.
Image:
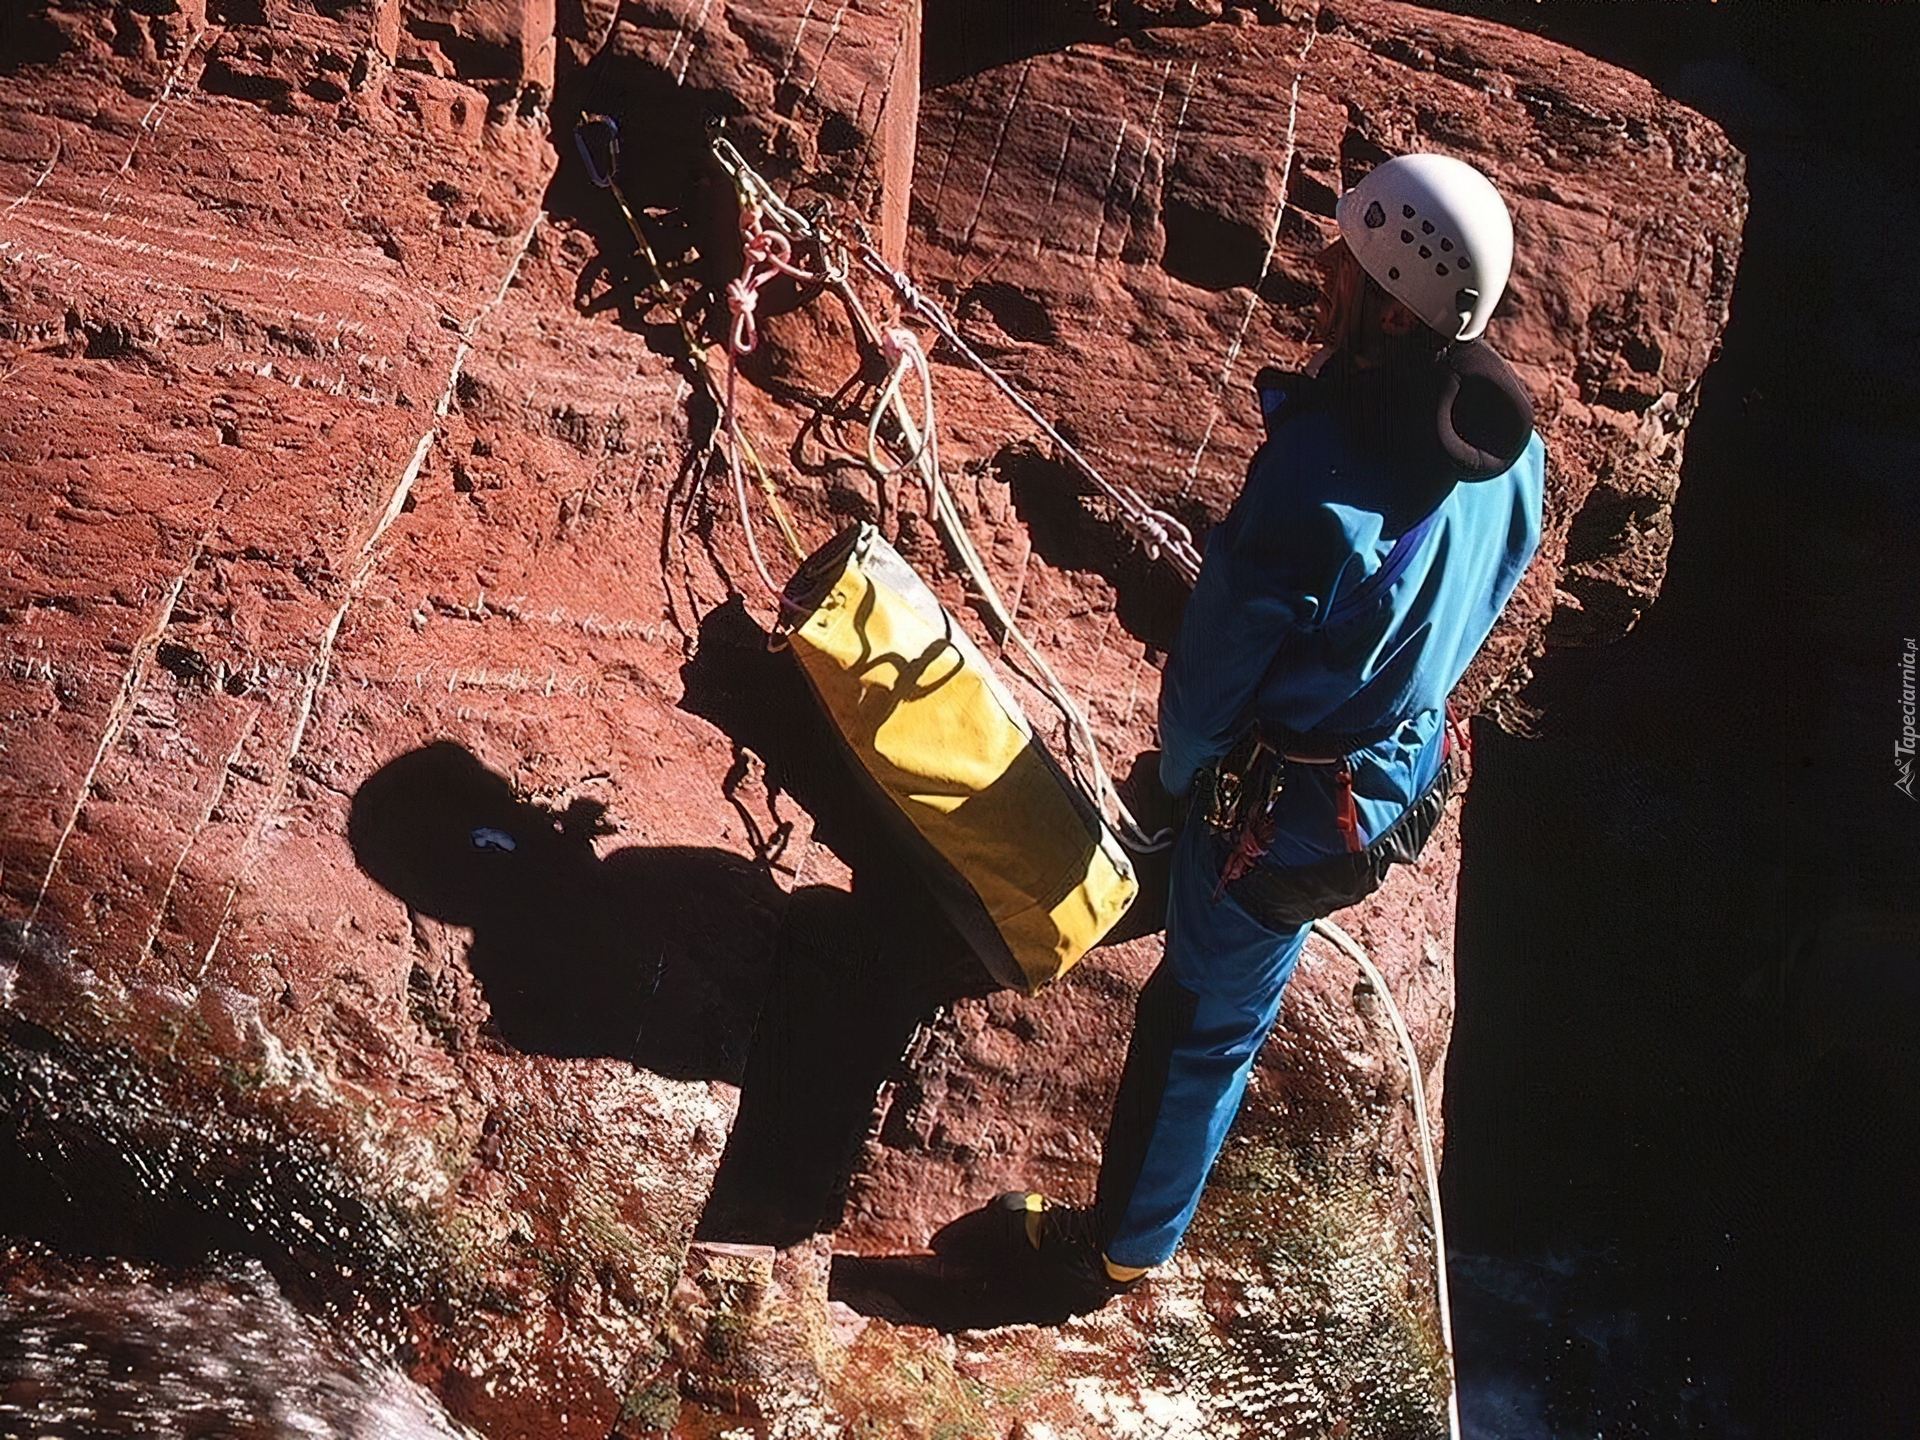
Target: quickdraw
[(1241, 791), (597, 138)]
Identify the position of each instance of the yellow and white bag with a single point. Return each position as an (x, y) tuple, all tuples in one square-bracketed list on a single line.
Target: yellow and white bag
[(1021, 861)]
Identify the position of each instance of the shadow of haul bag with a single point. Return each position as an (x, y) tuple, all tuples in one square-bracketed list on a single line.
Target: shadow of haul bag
[(1018, 857)]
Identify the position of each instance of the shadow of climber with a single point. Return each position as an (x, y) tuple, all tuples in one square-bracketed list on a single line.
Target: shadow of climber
[(691, 962), (658, 956)]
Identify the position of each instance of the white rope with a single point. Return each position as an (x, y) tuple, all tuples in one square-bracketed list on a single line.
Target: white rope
[(1161, 535), (907, 347), (1344, 942), (735, 440), (902, 347)]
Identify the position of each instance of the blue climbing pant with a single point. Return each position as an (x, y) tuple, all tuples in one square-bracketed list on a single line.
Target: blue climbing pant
[(1199, 1023)]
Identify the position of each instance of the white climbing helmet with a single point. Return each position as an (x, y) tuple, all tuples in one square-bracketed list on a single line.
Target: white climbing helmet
[(1436, 235)]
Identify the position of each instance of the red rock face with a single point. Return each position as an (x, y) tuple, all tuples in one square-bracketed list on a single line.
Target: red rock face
[(313, 458), (337, 420), (1108, 221)]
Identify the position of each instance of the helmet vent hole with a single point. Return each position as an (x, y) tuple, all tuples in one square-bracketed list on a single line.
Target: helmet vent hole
[(1465, 262), (1407, 210), (1406, 237), (1426, 227), (1445, 244), (1425, 253), (1439, 269), (1393, 272), (1375, 216)]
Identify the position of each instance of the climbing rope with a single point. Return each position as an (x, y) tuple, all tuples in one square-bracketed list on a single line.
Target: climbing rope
[(905, 345), (1160, 534), (767, 255), (1353, 950), (901, 348)]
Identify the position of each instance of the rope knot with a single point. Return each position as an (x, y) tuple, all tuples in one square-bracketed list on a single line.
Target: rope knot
[(897, 343), (768, 247), (743, 299)]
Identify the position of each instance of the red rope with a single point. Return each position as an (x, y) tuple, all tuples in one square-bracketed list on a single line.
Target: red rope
[(768, 254)]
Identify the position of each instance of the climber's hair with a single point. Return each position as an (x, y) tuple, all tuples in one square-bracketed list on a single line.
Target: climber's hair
[(1362, 308)]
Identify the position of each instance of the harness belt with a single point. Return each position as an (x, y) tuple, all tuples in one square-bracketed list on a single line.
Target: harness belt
[(1283, 898), (1239, 800)]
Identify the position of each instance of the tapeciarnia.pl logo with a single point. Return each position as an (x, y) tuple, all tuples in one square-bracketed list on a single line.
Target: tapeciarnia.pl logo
[(1903, 748)]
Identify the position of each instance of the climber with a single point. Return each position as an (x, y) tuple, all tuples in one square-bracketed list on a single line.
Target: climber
[(1382, 526)]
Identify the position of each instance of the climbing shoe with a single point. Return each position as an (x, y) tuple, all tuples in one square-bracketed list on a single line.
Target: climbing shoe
[(1065, 1245)]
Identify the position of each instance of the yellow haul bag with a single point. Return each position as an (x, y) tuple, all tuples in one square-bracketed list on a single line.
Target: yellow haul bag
[(1020, 859)]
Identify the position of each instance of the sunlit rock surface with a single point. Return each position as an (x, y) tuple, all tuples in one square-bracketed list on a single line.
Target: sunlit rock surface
[(335, 423), (1108, 219)]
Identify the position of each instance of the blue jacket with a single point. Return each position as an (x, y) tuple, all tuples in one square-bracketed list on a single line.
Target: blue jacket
[(1320, 512)]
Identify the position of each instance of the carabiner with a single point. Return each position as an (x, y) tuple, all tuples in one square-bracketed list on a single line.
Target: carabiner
[(602, 176)]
